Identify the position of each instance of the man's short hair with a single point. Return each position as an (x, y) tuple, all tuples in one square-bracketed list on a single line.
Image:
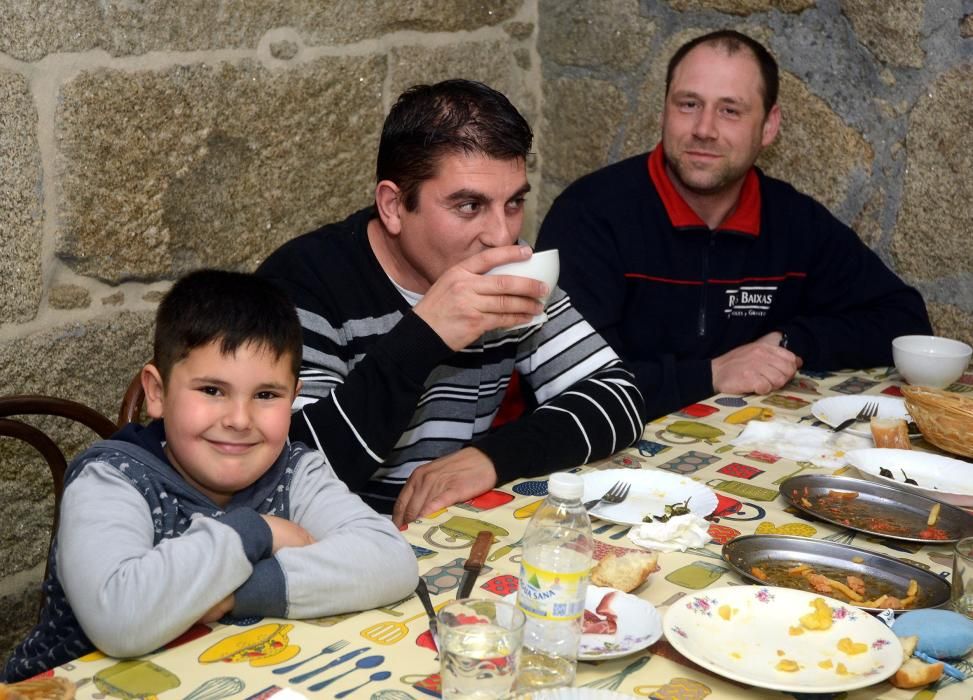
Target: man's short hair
[(732, 41), (233, 308), (428, 122)]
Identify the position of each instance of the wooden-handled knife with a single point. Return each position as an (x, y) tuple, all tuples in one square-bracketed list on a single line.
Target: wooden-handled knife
[(478, 553)]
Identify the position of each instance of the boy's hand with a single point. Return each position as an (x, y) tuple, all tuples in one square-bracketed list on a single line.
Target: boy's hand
[(219, 610), (286, 533)]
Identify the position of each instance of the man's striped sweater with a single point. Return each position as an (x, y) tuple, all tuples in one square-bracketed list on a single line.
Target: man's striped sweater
[(383, 394)]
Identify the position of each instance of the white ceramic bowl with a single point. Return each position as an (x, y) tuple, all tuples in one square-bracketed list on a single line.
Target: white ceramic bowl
[(928, 360), (544, 265)]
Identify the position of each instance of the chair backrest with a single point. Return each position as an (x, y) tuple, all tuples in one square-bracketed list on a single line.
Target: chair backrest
[(131, 408), (32, 405)]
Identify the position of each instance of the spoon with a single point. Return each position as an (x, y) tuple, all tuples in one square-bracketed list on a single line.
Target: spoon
[(907, 479), (367, 662), (377, 676)]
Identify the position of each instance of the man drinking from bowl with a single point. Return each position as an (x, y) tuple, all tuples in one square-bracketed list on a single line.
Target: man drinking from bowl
[(704, 274), (409, 346)]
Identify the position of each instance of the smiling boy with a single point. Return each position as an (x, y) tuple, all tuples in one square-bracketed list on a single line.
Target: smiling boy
[(209, 510)]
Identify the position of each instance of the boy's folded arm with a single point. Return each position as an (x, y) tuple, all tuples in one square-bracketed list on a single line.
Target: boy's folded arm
[(359, 560), (129, 596)]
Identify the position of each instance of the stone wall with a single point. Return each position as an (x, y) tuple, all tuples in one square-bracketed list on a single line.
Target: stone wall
[(141, 140)]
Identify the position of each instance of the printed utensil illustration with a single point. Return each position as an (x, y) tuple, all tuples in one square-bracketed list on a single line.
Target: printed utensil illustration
[(612, 682), (504, 550), (391, 694), (390, 632), (330, 649), (367, 662), (377, 676), (423, 592), (478, 553), (620, 534), (217, 688), (331, 664)]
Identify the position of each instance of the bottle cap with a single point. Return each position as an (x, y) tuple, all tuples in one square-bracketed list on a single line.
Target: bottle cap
[(566, 486)]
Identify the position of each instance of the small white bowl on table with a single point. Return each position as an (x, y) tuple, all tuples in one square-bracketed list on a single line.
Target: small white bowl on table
[(930, 360)]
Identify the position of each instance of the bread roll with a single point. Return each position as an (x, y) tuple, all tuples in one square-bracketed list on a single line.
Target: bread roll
[(915, 673), (890, 432), (626, 573), (49, 688)]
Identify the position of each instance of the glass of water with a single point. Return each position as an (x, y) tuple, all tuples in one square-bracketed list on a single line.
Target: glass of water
[(479, 648), (961, 596)]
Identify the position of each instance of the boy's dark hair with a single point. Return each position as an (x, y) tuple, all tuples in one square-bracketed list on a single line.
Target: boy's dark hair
[(732, 41), (454, 116), (233, 308)]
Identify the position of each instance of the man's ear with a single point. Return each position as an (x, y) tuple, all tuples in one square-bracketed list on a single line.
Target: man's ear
[(154, 390), (771, 126), (387, 202)]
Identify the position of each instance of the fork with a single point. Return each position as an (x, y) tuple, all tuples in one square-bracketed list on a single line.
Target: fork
[(869, 410), (330, 649), (616, 494)]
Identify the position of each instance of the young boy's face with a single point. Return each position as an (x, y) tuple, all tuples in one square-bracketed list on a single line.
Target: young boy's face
[(226, 416)]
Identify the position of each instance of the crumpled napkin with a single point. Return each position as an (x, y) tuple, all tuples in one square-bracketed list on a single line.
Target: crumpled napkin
[(678, 534), (802, 443)]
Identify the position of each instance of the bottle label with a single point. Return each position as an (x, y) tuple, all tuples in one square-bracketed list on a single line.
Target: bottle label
[(551, 595)]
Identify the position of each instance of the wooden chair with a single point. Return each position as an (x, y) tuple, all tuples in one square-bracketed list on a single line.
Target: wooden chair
[(31, 405), (131, 408)]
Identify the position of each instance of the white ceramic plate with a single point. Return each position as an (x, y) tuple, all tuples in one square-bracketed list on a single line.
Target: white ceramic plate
[(748, 646), (639, 625), (652, 490), (943, 478), (835, 409)]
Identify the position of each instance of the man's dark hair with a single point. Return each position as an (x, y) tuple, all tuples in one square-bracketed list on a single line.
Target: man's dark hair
[(233, 308), (731, 42), (428, 122)]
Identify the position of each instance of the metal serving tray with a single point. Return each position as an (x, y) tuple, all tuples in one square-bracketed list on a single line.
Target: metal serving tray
[(749, 550), (887, 501)]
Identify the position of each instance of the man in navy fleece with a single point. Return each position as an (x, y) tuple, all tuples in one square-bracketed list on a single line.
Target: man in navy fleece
[(704, 274)]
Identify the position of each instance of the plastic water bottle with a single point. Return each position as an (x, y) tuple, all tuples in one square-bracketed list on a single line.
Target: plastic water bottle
[(554, 573)]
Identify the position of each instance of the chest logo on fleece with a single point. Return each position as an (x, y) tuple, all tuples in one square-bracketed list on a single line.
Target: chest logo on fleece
[(749, 302)]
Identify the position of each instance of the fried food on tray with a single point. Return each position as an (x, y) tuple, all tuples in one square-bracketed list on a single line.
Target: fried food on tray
[(855, 588)]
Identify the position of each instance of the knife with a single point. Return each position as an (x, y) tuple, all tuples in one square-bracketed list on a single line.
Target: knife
[(423, 592), (481, 546)]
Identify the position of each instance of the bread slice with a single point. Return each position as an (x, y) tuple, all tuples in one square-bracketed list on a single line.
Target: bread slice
[(914, 673), (626, 573), (49, 688), (891, 433)]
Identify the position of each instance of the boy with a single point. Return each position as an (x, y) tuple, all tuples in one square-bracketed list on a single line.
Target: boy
[(209, 510)]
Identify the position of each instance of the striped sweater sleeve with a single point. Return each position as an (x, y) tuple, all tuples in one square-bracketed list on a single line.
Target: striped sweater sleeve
[(362, 372), (589, 404)]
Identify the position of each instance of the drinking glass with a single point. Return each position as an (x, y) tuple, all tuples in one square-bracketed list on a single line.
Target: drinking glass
[(479, 648), (961, 595)]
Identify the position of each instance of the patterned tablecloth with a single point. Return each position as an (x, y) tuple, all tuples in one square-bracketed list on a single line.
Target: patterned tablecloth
[(388, 650)]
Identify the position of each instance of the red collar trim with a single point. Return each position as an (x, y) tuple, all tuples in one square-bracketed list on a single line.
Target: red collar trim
[(745, 219)]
